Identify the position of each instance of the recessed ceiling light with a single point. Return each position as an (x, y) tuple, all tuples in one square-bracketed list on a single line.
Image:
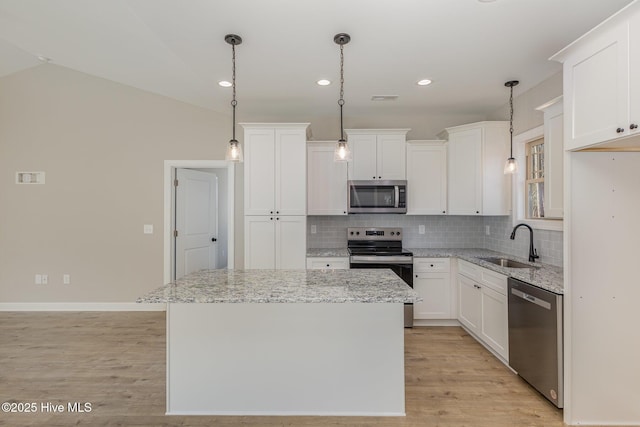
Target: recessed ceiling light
[(424, 82), (324, 82), (224, 83), (43, 58)]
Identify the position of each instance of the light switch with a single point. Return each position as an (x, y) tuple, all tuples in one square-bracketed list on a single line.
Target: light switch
[(66, 279), (314, 229), (487, 230), (421, 229), (148, 229)]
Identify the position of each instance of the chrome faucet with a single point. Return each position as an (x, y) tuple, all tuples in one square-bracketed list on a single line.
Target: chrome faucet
[(533, 254)]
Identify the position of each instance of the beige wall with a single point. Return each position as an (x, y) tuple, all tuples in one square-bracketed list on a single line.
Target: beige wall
[(102, 146)]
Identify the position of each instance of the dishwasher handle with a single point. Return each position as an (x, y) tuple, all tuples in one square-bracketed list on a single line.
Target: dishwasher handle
[(530, 298)]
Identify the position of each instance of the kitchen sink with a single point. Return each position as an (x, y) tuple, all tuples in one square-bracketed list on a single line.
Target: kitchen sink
[(504, 262)]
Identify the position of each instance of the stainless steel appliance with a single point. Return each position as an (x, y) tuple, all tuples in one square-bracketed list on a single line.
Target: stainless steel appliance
[(535, 338), (382, 248), (377, 196)]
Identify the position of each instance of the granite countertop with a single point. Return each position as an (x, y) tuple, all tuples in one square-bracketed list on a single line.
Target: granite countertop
[(544, 276), (327, 252), (285, 286)]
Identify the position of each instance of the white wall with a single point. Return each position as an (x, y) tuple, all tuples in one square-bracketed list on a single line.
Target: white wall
[(102, 146)]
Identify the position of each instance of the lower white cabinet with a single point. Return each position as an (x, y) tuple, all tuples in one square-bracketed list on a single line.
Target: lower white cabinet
[(432, 281), (278, 242), (482, 306), (327, 263)]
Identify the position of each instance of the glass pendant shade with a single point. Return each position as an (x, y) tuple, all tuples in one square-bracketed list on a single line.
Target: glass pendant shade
[(234, 152), (342, 152), (511, 166)]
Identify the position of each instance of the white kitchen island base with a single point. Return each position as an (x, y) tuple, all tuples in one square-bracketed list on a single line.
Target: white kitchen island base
[(285, 359)]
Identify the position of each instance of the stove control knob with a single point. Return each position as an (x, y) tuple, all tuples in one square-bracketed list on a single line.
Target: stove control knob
[(357, 233), (392, 233), (398, 233), (351, 233)]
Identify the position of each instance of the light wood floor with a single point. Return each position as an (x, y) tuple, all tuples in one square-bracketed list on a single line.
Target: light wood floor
[(116, 361)]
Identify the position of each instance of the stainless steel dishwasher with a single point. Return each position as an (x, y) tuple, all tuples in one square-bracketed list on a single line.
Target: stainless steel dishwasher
[(535, 338)]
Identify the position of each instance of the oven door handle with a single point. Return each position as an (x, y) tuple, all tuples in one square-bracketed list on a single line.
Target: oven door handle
[(373, 259)]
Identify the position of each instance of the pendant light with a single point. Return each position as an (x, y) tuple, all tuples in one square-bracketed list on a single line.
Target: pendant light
[(234, 150), (511, 166), (342, 152)]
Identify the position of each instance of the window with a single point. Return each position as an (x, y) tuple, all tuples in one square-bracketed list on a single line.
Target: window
[(529, 182), (534, 179)]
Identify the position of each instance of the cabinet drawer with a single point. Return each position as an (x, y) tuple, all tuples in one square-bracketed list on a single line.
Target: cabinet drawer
[(469, 270), (328, 263), (431, 265), (493, 280)]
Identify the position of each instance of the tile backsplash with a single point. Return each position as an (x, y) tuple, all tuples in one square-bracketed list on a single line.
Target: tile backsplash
[(440, 232)]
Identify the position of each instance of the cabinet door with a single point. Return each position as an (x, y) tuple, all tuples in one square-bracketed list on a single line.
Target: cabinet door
[(364, 163), (290, 172), (426, 179), (495, 331), (259, 242), (596, 88), (435, 289), (469, 307), (553, 162), (634, 74), (259, 171), (326, 181), (391, 157), (291, 242), (465, 172)]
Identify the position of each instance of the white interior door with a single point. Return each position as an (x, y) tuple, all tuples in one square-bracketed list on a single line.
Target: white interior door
[(196, 221)]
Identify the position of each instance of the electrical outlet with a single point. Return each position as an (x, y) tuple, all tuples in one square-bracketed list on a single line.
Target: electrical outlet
[(45, 279), (66, 279), (421, 229), (314, 229), (38, 279), (148, 229), (487, 230)]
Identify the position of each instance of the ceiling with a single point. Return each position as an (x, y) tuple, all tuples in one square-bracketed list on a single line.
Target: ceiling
[(176, 48)]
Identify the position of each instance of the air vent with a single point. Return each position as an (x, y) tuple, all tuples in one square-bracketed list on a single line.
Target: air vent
[(384, 97), (29, 177)]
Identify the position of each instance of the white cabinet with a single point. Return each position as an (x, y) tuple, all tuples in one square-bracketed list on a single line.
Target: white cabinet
[(327, 263), (275, 195), (326, 180), (275, 242), (477, 184), (601, 83), (554, 158), (426, 177), (377, 154), (432, 281), (275, 169), (482, 306)]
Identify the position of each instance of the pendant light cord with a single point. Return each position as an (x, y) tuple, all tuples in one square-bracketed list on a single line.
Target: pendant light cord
[(511, 120), (341, 100), (233, 84)]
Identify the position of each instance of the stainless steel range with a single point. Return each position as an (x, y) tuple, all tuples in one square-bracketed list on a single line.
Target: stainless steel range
[(382, 248)]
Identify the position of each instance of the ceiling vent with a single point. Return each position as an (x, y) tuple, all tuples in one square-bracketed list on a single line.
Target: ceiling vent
[(384, 97)]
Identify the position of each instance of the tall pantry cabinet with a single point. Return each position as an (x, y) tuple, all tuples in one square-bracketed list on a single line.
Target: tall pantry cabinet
[(275, 175)]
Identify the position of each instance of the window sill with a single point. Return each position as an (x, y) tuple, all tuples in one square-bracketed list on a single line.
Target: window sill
[(541, 224)]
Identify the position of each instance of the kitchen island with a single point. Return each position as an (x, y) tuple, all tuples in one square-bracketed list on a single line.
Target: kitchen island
[(285, 342)]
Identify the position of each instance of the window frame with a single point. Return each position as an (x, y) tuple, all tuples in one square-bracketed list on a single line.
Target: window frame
[(518, 204)]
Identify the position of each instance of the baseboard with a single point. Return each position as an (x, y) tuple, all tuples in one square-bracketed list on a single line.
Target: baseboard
[(436, 322), (81, 306)]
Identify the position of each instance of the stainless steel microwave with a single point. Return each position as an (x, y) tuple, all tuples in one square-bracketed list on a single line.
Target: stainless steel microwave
[(377, 196)]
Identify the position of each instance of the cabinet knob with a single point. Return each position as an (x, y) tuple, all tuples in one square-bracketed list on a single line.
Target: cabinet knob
[(477, 212), (620, 130), (633, 126), (271, 218), (373, 177), (328, 265), (344, 212), (431, 265), (379, 177), (278, 212), (416, 276), (271, 212), (444, 212), (278, 219)]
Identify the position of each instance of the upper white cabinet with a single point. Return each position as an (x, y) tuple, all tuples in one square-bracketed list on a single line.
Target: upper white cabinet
[(602, 83), (426, 177), (377, 153), (326, 180), (476, 154), (275, 168)]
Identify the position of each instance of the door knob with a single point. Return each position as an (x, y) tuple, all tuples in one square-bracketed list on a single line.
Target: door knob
[(213, 239)]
